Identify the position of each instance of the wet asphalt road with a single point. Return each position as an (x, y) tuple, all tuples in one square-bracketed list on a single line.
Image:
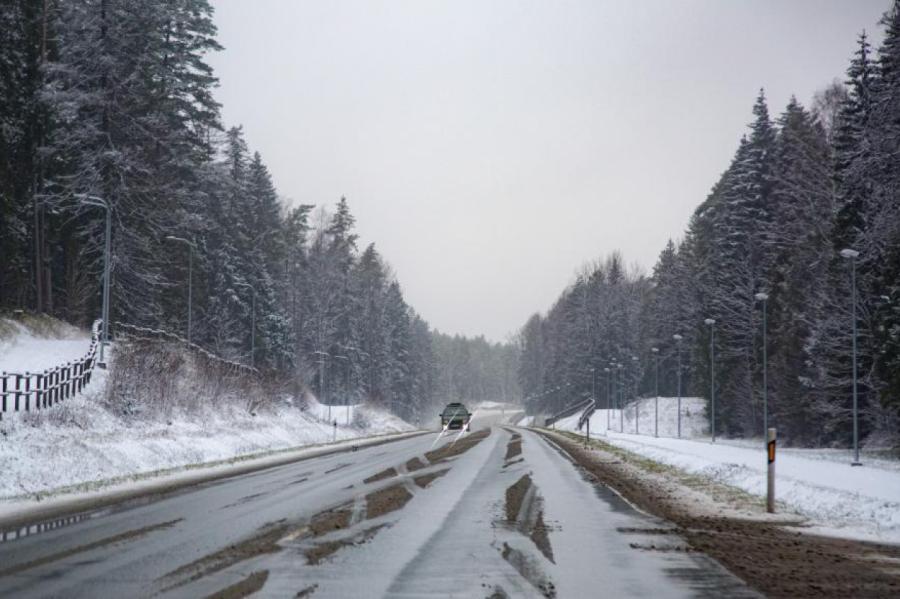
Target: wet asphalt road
[(442, 524)]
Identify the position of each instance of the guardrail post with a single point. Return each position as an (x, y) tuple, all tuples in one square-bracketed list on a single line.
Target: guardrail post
[(770, 477)]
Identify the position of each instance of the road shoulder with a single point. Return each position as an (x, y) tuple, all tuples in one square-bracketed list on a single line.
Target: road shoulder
[(772, 554)]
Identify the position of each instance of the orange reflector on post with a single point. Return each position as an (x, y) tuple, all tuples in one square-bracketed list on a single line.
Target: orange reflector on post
[(771, 451)]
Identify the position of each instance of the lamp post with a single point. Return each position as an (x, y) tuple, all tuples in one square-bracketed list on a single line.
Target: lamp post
[(637, 413), (347, 382), (252, 322), (191, 248), (608, 395), (678, 339), (712, 375), (322, 355), (593, 386), (621, 376), (89, 200), (655, 351), (764, 297), (852, 255)]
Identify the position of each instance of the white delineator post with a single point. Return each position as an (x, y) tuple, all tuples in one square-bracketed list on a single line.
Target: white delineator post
[(770, 478)]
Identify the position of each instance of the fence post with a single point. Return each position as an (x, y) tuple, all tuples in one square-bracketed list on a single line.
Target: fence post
[(770, 490), (2, 393), (27, 391), (38, 391), (18, 392), (68, 380)]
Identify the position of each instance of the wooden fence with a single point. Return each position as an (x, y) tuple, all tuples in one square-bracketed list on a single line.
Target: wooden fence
[(37, 390)]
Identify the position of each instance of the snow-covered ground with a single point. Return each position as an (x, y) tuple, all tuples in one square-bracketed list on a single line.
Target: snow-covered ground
[(82, 443), (821, 485), (31, 346), (693, 417), (79, 442)]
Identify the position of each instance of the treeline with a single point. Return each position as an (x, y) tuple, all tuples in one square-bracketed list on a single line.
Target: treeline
[(474, 369), (111, 101), (799, 190)]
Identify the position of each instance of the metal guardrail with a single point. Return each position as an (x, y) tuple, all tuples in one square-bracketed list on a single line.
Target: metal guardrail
[(44, 389), (568, 411), (586, 414)]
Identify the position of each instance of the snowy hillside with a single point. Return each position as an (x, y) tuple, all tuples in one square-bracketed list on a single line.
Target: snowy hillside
[(102, 436), (35, 343)]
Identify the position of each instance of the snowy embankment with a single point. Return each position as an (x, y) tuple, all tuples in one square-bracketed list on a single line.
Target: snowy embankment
[(88, 441), (34, 344), (818, 484)]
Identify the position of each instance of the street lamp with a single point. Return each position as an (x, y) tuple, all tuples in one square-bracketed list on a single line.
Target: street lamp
[(621, 377), (764, 297), (593, 386), (191, 248), (347, 382), (608, 395), (655, 351), (89, 200), (712, 375), (252, 321), (852, 255), (637, 414), (678, 339), (322, 355)]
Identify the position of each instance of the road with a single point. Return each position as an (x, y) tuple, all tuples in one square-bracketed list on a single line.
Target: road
[(497, 512)]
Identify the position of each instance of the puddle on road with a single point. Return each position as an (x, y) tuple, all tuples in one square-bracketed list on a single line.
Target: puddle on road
[(529, 570)]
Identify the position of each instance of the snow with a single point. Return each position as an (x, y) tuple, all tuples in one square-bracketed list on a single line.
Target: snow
[(819, 484), (693, 417), (80, 443), (24, 349)]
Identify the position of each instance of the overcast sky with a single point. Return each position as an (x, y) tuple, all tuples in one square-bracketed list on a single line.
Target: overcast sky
[(491, 148)]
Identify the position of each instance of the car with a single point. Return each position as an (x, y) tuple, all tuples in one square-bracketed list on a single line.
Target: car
[(455, 416)]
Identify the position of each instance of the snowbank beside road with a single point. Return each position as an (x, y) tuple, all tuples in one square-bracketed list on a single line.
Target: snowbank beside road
[(178, 412), (78, 443), (857, 502)]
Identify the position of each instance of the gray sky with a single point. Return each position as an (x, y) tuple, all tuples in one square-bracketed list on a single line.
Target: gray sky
[(491, 148)]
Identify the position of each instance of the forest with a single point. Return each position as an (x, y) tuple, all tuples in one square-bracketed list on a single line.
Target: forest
[(802, 188), (110, 104)]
